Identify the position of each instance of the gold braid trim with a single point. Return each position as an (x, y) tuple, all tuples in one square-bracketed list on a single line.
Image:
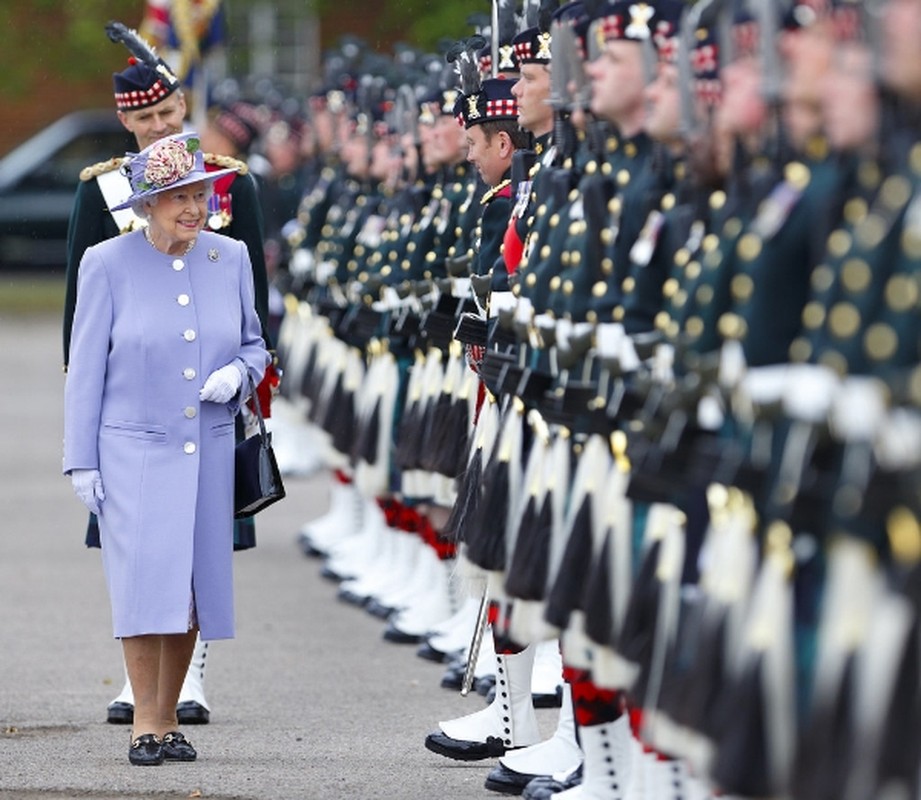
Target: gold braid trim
[(100, 168), (94, 171), (226, 162), (491, 193)]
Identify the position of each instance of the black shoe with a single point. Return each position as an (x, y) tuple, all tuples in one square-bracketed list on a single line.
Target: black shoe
[(430, 653), (119, 713), (348, 596), (307, 547), (544, 787), (461, 750), (454, 676), (377, 609), (191, 713), (177, 748), (554, 700), (146, 751), (507, 781), (395, 635), (331, 575)]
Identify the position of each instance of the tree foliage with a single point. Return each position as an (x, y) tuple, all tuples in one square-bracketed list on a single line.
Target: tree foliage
[(63, 40), (422, 23), (60, 40)]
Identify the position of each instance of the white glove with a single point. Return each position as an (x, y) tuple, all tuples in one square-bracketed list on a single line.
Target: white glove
[(87, 485), (221, 385)]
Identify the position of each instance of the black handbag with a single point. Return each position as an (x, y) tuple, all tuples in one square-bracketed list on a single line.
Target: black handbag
[(257, 480)]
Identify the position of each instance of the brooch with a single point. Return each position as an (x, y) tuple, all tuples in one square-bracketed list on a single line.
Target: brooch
[(213, 254)]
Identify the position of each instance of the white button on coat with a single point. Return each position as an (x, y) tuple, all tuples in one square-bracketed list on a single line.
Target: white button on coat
[(183, 299), (178, 264), (189, 335), (189, 447)]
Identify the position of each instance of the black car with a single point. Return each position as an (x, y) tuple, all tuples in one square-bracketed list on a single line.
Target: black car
[(38, 180)]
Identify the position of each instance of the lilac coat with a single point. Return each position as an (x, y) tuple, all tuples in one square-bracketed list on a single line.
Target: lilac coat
[(148, 330)]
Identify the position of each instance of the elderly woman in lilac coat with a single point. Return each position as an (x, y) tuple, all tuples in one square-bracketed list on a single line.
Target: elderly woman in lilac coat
[(165, 336)]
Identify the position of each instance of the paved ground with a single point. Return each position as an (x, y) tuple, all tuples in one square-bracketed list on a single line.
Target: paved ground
[(308, 701)]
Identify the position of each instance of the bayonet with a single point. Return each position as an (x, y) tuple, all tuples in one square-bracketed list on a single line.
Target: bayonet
[(771, 68), (494, 39), (687, 125), (559, 67), (705, 14)]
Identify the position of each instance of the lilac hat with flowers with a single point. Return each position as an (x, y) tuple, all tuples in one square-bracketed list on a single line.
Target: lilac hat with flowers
[(166, 164)]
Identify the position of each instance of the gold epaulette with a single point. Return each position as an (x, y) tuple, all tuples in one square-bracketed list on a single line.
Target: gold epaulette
[(94, 171), (226, 162), (491, 193)]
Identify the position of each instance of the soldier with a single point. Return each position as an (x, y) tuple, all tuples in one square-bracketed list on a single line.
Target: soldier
[(150, 104), (535, 115), (492, 138), (697, 613), (426, 460), (442, 148), (490, 118), (617, 151)]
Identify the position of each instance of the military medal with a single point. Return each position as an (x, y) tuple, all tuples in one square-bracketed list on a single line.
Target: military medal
[(443, 216), (695, 236), (524, 196), (370, 233), (576, 210), (431, 210), (645, 245), (215, 221), (911, 229), (776, 209)]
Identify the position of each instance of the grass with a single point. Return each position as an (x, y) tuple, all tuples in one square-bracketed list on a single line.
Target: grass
[(31, 293)]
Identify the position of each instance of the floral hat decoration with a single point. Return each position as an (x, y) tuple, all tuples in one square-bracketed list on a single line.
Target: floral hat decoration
[(166, 164)]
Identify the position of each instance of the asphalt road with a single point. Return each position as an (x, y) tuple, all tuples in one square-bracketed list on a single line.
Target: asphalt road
[(307, 702)]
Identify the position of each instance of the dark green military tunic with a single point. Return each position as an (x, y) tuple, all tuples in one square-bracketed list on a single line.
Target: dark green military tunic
[(849, 287), (781, 246), (591, 283), (648, 240), (434, 230), (496, 208)]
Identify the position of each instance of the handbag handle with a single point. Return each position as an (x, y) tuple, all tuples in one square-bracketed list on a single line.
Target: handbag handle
[(256, 404)]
